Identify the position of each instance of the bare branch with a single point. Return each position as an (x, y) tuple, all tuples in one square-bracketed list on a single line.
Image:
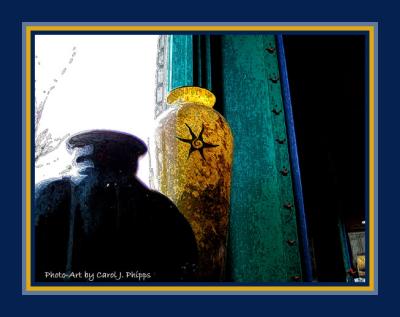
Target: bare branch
[(44, 141)]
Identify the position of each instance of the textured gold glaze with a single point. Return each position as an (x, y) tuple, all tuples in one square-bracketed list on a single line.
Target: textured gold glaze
[(193, 160), (189, 94)]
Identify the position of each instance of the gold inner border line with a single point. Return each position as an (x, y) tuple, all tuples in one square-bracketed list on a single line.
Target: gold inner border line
[(189, 28), (200, 288), (163, 28)]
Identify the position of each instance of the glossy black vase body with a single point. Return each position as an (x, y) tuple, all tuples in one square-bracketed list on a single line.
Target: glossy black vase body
[(105, 222)]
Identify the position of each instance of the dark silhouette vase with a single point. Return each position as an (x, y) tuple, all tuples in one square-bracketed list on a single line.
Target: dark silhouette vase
[(105, 222)]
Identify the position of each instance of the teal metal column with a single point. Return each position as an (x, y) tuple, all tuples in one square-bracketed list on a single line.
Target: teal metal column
[(189, 61), (264, 244), (344, 242), (180, 63)]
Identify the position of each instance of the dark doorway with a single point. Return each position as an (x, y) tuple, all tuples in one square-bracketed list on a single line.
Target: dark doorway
[(327, 84)]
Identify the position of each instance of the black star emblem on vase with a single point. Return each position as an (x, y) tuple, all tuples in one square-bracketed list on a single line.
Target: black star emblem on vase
[(196, 142)]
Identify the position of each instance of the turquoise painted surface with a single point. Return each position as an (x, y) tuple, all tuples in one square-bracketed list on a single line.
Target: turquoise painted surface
[(345, 249), (180, 70), (263, 232), (190, 61)]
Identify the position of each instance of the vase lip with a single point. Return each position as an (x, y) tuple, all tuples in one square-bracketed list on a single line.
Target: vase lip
[(107, 137), (191, 94)]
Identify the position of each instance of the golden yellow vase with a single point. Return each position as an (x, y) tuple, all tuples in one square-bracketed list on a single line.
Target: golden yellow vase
[(192, 166)]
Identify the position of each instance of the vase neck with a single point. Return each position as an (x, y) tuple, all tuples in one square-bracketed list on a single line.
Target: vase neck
[(191, 95)]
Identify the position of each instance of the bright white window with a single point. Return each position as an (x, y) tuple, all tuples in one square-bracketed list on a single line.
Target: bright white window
[(85, 82)]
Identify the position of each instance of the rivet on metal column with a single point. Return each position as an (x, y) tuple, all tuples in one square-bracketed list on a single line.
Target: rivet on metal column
[(274, 78), (276, 111), (281, 141)]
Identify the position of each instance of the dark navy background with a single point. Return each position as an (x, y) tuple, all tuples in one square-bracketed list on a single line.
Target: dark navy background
[(12, 303)]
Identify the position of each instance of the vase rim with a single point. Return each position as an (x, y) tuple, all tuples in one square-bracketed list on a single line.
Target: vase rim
[(191, 94), (112, 137)]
